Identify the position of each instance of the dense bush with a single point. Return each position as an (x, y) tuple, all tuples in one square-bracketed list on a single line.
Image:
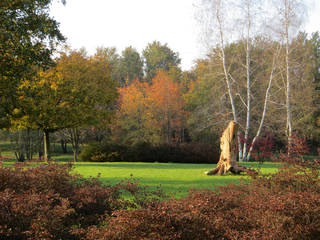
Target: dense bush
[(47, 202), (145, 152), (285, 205)]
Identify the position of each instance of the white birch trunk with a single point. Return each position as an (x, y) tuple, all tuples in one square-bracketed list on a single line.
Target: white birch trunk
[(226, 74), (265, 105), (288, 103), (246, 134)]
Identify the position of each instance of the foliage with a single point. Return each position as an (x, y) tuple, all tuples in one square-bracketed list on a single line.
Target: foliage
[(47, 202), (77, 92), (130, 66), (264, 147), (158, 56), (135, 121), (167, 105), (284, 205), (152, 113), (28, 36)]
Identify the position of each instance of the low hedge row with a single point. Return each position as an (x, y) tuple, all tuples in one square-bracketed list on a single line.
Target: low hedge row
[(146, 152)]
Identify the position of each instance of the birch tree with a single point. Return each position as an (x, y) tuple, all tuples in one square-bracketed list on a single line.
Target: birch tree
[(291, 20), (243, 12)]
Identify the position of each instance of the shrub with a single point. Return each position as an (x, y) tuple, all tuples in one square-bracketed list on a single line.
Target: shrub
[(264, 147), (47, 202), (146, 152), (285, 205)]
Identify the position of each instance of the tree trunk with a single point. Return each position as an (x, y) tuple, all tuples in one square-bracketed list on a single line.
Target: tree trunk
[(46, 145), (248, 60), (265, 106), (226, 74), (228, 156), (75, 143), (288, 103), (63, 146)]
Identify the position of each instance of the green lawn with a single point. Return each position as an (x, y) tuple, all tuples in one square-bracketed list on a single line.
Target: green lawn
[(175, 179)]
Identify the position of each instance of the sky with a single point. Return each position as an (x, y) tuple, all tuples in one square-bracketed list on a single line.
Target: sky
[(124, 23)]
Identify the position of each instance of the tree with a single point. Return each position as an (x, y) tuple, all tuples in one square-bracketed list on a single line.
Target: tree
[(135, 121), (76, 92), (289, 20), (28, 36), (131, 66), (150, 113), (113, 59), (158, 56), (221, 25), (167, 105)]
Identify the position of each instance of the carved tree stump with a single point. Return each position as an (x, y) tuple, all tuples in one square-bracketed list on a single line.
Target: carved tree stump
[(228, 155)]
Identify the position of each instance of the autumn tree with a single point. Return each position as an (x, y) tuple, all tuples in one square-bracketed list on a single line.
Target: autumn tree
[(76, 92), (28, 36), (167, 105), (150, 113), (134, 120)]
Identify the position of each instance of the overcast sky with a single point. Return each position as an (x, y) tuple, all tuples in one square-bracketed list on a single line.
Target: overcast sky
[(123, 23)]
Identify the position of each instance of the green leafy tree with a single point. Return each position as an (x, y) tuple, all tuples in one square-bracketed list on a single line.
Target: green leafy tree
[(28, 36), (113, 59), (158, 56), (131, 66)]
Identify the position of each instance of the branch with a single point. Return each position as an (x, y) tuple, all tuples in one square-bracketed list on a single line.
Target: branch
[(242, 100)]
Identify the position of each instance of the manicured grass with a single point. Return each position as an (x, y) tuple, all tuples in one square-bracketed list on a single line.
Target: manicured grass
[(174, 179)]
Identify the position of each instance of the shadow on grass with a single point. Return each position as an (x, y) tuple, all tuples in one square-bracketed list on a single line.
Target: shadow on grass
[(147, 165)]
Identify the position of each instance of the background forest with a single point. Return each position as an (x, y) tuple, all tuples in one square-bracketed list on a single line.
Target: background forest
[(266, 78)]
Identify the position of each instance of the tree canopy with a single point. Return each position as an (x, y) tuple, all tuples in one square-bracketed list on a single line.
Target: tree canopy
[(158, 56), (28, 36)]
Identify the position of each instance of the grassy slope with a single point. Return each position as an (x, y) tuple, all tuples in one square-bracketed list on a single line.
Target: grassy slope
[(174, 179)]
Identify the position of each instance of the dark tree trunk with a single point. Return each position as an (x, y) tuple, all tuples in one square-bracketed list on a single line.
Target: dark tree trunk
[(63, 146), (46, 145)]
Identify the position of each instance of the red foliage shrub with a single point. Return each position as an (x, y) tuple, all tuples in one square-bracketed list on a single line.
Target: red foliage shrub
[(296, 151), (285, 205), (47, 202), (299, 146), (263, 147)]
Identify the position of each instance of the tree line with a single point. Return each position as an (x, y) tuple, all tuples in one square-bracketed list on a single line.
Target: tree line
[(266, 82)]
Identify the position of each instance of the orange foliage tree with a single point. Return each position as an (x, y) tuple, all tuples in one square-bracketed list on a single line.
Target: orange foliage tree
[(149, 113), (134, 121), (167, 106)]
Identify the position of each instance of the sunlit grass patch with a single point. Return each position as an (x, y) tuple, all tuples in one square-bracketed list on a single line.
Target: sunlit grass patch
[(174, 179)]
